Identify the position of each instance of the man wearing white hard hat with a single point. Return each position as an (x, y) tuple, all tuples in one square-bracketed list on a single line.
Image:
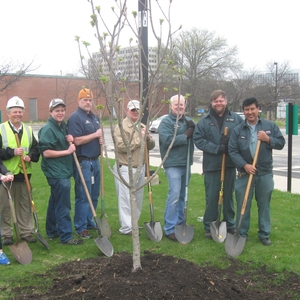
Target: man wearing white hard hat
[(11, 154), (130, 126)]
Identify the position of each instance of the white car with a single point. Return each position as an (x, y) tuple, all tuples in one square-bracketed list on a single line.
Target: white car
[(154, 124), (240, 114)]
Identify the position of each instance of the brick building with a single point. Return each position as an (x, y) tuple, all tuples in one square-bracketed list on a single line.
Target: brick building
[(38, 90)]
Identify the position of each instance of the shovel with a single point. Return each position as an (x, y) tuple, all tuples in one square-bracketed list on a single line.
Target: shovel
[(102, 242), (218, 229), (106, 232), (185, 233), (36, 231), (235, 243), (153, 229), (20, 250)]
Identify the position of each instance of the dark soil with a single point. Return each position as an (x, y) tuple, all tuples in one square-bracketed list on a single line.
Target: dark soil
[(163, 277)]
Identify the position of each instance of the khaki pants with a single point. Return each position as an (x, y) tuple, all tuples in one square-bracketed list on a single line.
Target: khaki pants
[(23, 210)]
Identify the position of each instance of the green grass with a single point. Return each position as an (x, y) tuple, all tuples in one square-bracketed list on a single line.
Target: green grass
[(283, 254)]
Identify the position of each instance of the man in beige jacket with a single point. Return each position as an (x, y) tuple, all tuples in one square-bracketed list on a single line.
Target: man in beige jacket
[(131, 132)]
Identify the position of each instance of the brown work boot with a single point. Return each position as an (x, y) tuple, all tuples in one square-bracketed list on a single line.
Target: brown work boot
[(29, 239), (7, 240)]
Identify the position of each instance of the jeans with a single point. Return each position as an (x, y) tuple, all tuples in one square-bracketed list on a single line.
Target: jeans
[(124, 205), (58, 220), (83, 217), (262, 187), (174, 213)]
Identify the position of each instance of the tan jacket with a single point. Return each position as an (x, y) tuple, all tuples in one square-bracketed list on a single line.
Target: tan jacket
[(135, 145)]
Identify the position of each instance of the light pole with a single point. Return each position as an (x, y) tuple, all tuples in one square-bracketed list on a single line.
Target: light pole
[(275, 98)]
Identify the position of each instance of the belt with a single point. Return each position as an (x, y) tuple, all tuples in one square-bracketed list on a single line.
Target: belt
[(81, 158)]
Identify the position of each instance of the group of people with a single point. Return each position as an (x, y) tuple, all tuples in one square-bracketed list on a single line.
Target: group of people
[(239, 145), (82, 137)]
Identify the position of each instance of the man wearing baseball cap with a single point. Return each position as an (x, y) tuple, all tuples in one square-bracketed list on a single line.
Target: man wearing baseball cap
[(11, 155), (58, 169), (84, 126), (130, 128)]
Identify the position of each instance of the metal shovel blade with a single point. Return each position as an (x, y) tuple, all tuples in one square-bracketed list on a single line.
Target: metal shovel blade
[(218, 231), (105, 246), (184, 233), (37, 234), (154, 231), (21, 252), (234, 244), (105, 229)]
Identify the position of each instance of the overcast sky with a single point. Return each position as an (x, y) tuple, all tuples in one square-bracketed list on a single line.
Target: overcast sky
[(44, 31)]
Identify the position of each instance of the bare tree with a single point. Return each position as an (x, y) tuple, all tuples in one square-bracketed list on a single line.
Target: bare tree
[(116, 88), (201, 54), (10, 73)]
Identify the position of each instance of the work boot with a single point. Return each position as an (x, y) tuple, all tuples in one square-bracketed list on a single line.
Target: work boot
[(29, 239), (171, 237), (72, 242), (266, 241), (7, 240), (207, 234)]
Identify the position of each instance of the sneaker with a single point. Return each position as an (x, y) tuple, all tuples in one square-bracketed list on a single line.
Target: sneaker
[(266, 242), (29, 239), (171, 237), (7, 240), (207, 234), (84, 234), (3, 259), (72, 241)]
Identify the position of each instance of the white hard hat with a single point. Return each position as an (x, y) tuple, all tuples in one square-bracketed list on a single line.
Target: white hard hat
[(15, 102)]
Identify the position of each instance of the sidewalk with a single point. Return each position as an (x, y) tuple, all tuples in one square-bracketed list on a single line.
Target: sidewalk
[(280, 182)]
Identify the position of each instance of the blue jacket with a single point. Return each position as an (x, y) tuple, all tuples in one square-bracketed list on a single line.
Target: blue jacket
[(178, 154), (239, 149), (207, 137)]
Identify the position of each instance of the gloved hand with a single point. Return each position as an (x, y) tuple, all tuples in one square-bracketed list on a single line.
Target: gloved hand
[(190, 124), (189, 132), (223, 149)]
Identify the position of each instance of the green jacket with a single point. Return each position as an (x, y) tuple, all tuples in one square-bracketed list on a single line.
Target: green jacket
[(207, 137), (178, 154), (52, 136)]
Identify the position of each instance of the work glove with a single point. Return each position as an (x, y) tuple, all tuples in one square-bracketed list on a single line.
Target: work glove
[(223, 149), (189, 132), (190, 124)]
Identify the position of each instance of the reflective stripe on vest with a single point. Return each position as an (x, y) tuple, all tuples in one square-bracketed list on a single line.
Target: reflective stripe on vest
[(9, 140)]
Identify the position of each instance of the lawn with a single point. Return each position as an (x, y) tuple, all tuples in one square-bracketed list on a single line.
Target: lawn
[(283, 254)]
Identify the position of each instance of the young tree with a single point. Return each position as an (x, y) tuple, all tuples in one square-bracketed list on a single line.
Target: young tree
[(116, 87)]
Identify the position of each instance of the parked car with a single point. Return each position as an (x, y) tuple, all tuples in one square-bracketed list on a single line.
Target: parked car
[(155, 123), (240, 114)]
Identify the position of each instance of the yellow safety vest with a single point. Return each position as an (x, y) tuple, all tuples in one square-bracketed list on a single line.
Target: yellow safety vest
[(9, 140)]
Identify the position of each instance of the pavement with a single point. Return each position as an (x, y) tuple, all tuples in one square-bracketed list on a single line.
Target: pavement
[(280, 182)]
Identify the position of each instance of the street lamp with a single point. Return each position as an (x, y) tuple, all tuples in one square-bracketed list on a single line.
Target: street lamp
[(276, 73)]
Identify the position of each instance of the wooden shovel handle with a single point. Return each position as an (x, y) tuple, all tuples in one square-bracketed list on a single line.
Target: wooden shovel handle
[(25, 175), (224, 158), (250, 178)]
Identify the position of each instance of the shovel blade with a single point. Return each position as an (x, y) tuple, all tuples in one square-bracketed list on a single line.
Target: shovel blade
[(105, 229), (234, 244), (21, 252), (105, 246), (154, 231), (218, 231), (42, 240), (184, 233)]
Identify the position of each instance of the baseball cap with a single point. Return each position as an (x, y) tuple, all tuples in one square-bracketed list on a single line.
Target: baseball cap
[(133, 104), (55, 102)]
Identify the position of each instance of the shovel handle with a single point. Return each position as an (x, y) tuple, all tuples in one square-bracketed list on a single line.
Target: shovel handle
[(250, 178), (25, 175), (84, 183), (224, 158), (148, 174)]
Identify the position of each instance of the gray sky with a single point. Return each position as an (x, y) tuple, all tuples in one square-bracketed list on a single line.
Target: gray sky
[(44, 31)]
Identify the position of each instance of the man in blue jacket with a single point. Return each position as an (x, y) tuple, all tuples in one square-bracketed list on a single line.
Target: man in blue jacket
[(242, 145), (209, 137), (175, 164)]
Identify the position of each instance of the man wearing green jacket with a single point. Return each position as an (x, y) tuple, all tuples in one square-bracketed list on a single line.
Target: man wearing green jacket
[(57, 167), (209, 137), (176, 163)]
